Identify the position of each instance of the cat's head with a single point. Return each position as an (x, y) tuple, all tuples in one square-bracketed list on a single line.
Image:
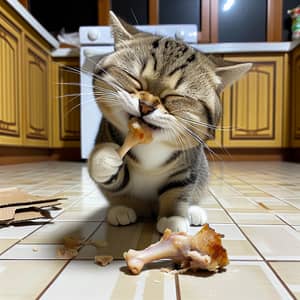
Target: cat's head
[(169, 85)]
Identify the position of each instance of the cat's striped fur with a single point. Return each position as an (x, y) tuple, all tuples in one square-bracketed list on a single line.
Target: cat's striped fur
[(175, 90)]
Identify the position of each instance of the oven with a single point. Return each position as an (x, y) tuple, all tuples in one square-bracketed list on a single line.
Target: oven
[(96, 42)]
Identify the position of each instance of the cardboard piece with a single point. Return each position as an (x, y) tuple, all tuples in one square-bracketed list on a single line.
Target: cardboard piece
[(18, 206)]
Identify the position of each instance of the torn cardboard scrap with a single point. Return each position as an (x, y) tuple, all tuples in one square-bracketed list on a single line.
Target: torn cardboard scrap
[(18, 206)]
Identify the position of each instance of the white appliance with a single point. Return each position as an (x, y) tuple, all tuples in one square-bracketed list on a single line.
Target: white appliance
[(96, 42)]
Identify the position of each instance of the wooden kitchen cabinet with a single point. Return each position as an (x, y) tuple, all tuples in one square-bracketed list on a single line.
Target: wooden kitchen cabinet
[(295, 97), (253, 105), (10, 82), (36, 95), (66, 103)]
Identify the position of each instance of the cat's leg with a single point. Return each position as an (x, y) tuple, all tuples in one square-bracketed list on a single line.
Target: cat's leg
[(108, 170), (178, 200), (173, 211), (105, 164)]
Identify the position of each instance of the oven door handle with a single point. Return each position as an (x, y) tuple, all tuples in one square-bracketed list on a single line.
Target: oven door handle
[(94, 52)]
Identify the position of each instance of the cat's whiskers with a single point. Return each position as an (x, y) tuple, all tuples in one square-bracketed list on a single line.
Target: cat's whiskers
[(199, 140), (210, 137)]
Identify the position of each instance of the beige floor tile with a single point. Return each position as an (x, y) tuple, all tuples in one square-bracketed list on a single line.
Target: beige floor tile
[(238, 203), (291, 218), (275, 242), (242, 280), (217, 216), (289, 273), (240, 250), (110, 283), (255, 218), (294, 202), (32, 251), (96, 214), (54, 233), (26, 279), (16, 232), (6, 243), (208, 201)]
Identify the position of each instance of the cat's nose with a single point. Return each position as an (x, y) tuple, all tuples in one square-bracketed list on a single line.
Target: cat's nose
[(145, 108)]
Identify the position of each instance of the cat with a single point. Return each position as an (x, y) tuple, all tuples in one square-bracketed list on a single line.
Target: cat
[(175, 90)]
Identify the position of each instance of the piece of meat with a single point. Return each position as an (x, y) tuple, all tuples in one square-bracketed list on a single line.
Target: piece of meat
[(103, 260), (204, 250), (138, 133)]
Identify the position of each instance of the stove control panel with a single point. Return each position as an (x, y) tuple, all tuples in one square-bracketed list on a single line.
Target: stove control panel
[(101, 35)]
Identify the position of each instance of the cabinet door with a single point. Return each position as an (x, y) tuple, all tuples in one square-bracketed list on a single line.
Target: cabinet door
[(295, 134), (66, 100), (36, 85), (10, 83), (253, 105)]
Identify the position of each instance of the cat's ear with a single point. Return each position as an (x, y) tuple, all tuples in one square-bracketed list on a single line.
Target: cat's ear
[(121, 30), (230, 72)]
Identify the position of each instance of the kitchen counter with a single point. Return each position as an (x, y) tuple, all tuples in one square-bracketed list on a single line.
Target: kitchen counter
[(217, 48), (248, 47), (65, 52), (23, 12)]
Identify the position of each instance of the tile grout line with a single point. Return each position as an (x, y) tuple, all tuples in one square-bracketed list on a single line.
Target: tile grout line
[(177, 287), (281, 280), (253, 245), (9, 247), (62, 269), (53, 279), (286, 223)]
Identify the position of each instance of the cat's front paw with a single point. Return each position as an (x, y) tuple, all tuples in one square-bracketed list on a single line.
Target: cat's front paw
[(104, 162), (174, 223), (197, 215), (121, 215)]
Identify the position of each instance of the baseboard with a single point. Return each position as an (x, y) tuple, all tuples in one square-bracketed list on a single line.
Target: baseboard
[(16, 155), (250, 154)]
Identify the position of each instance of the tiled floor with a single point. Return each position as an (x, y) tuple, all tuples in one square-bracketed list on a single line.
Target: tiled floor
[(256, 206)]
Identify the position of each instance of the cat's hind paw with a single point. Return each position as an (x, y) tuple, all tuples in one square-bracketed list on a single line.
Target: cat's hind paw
[(175, 223), (197, 215), (121, 215)]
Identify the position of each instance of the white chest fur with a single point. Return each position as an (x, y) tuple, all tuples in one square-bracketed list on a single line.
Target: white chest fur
[(150, 175), (152, 156)]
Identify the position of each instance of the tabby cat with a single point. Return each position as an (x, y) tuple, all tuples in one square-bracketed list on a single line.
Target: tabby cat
[(174, 89)]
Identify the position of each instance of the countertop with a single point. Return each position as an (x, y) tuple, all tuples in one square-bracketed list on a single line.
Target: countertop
[(218, 48), (248, 47), (25, 14)]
